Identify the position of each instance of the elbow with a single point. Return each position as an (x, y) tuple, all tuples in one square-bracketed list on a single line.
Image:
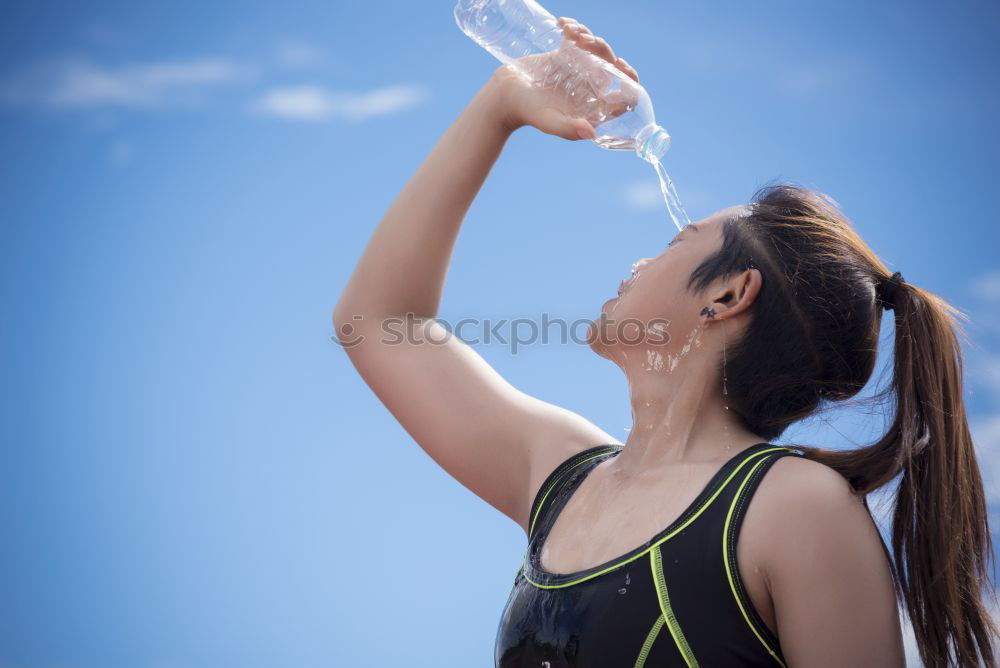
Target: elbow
[(349, 306), (339, 317), (347, 325), (344, 318)]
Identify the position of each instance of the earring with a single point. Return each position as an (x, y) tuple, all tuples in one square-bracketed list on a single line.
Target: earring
[(708, 312)]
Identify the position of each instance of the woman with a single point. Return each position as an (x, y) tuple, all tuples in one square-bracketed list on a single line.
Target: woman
[(676, 549)]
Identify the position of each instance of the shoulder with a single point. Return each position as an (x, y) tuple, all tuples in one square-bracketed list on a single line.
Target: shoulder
[(811, 485), (825, 565), (814, 503), (805, 512), (796, 491)]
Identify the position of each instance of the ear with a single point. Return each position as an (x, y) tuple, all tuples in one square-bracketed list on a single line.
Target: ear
[(736, 294)]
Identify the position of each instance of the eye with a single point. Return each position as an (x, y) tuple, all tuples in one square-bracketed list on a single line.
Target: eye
[(673, 241)]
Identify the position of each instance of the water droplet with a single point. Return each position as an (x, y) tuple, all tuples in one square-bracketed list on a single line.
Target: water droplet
[(622, 590)]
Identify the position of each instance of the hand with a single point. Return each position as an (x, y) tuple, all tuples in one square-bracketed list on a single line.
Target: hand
[(522, 103)]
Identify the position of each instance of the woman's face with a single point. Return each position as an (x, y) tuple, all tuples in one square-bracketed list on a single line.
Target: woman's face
[(655, 307)]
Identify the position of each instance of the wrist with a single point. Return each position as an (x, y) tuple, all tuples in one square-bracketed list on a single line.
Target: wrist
[(488, 104)]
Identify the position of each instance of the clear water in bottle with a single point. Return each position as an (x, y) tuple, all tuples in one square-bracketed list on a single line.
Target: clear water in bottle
[(529, 40)]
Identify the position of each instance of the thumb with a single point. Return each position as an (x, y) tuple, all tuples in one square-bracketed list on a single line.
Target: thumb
[(554, 122)]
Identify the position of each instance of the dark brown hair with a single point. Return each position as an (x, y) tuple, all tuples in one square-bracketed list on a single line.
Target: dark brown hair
[(820, 298)]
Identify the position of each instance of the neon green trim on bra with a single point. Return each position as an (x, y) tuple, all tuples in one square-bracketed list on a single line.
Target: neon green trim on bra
[(730, 569), (656, 563), (670, 535)]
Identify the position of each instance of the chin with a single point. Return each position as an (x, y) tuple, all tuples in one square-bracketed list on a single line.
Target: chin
[(609, 310), (594, 341)]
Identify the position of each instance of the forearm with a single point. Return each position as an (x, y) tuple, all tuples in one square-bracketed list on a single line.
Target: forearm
[(403, 267)]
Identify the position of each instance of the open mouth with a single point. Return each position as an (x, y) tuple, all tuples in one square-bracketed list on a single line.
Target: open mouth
[(625, 285)]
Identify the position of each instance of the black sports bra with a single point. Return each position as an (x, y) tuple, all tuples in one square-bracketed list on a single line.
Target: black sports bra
[(676, 600)]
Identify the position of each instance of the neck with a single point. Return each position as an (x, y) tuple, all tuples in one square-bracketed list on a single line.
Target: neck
[(679, 413)]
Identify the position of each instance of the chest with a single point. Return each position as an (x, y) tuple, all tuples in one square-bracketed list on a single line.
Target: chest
[(602, 519)]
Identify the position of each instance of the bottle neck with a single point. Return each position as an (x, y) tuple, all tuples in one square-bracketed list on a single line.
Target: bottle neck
[(652, 142)]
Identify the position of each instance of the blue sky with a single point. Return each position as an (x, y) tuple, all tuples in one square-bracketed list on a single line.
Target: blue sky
[(195, 476)]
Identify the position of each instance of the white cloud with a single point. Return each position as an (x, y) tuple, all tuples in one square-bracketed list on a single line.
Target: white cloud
[(80, 83), (313, 102), (295, 53), (644, 195), (987, 286), (77, 83), (302, 103)]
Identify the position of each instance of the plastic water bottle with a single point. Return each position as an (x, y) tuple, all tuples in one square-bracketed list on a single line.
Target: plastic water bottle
[(529, 40)]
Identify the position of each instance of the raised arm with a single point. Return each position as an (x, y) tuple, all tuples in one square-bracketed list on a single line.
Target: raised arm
[(497, 441)]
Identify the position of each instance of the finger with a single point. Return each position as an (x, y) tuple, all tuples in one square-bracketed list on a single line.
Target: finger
[(597, 46), (581, 35), (623, 65), (604, 50), (567, 36), (566, 22), (554, 122)]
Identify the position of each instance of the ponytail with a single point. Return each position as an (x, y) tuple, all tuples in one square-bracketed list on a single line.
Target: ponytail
[(940, 532), (822, 296)]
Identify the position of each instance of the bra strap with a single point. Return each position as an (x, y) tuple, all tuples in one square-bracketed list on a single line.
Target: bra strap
[(557, 479)]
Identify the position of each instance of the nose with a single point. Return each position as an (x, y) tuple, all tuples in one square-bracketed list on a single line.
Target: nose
[(640, 264)]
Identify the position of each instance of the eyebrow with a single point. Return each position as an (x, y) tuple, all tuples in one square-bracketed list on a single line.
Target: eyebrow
[(690, 226)]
